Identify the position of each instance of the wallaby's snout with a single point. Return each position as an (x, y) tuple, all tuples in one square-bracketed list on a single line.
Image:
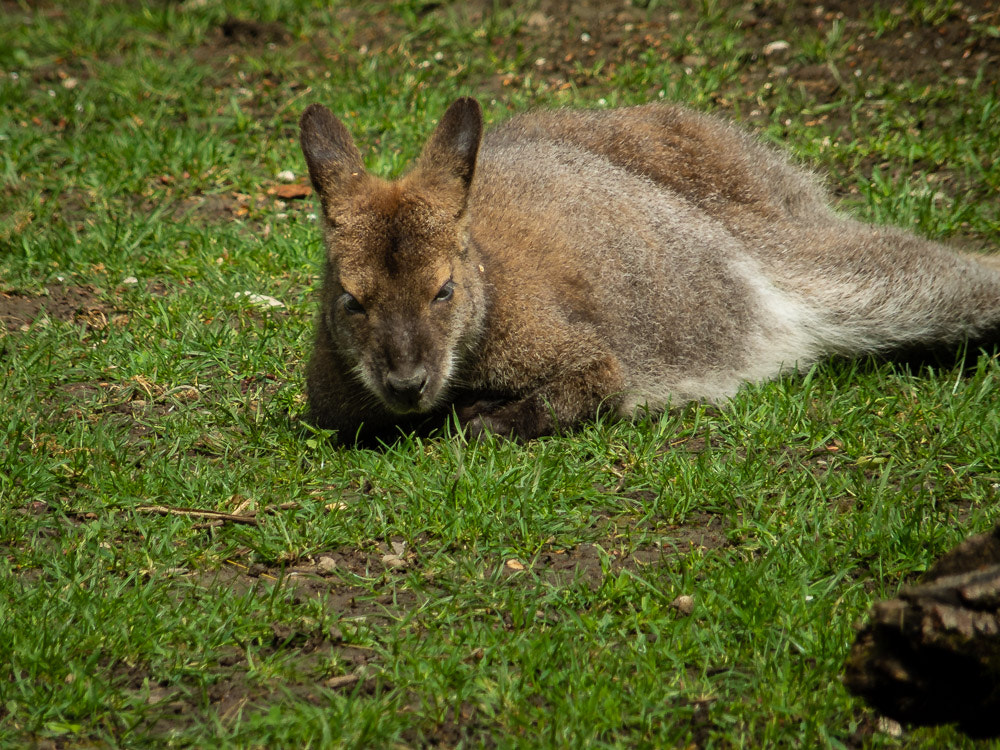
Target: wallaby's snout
[(405, 386), (413, 368)]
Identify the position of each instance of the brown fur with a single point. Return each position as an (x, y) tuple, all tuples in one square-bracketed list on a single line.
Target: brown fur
[(586, 260)]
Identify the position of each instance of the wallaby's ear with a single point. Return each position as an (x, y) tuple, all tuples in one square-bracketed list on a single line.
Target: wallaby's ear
[(333, 159), (452, 149)]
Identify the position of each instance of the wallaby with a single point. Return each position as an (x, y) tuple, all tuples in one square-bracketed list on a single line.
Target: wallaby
[(572, 261)]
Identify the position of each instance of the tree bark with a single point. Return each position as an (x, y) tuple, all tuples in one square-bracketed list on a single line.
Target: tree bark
[(932, 655)]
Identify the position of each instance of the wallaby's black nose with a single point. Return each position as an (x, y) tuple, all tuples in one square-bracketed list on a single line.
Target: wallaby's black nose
[(407, 386)]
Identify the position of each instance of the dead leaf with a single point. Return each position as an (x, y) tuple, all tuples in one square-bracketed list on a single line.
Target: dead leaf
[(259, 300), (293, 191), (241, 505)]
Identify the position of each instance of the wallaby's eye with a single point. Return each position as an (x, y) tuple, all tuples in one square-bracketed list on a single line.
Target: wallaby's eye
[(446, 292), (351, 304)]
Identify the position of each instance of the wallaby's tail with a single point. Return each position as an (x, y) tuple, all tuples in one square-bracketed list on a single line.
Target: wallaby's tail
[(876, 289)]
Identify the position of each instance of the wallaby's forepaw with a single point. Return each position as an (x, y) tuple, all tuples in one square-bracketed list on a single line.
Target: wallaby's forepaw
[(519, 420)]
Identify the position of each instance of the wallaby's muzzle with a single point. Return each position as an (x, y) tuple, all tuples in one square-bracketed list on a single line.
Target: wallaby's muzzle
[(404, 387)]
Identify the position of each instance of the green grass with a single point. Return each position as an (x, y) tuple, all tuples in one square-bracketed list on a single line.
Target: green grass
[(497, 593)]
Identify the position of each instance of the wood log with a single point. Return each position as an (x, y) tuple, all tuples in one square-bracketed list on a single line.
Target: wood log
[(932, 655)]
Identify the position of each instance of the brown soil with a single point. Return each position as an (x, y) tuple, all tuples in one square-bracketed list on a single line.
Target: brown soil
[(563, 37), (956, 45), (19, 310)]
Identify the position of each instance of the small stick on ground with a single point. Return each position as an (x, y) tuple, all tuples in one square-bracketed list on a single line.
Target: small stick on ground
[(346, 680), (214, 515)]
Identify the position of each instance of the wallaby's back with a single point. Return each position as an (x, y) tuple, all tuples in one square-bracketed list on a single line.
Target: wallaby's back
[(711, 258)]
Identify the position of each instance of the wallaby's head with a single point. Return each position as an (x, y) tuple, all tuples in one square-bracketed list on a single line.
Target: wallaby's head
[(401, 296)]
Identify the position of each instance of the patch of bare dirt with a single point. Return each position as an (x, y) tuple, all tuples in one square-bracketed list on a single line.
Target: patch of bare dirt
[(616, 551), (567, 35), (213, 208), (957, 43), (250, 32), (231, 691), (271, 201), (19, 310), (325, 658), (85, 304)]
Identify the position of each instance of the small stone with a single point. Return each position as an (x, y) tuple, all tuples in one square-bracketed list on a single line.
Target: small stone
[(326, 564), (684, 604), (539, 20), (774, 47), (393, 561), (286, 175), (889, 726)]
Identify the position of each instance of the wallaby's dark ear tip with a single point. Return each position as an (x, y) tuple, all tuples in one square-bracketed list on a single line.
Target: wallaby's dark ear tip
[(312, 115), (317, 120), (455, 142), (313, 110), (467, 102), (469, 110)]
